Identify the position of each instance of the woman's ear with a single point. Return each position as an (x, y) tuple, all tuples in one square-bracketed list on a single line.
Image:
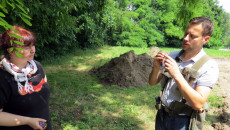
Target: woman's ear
[(10, 51)]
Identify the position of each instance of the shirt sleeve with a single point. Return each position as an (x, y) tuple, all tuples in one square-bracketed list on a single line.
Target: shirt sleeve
[(174, 54), (209, 74)]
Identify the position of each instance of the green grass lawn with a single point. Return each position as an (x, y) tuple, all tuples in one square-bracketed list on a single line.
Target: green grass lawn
[(78, 101)]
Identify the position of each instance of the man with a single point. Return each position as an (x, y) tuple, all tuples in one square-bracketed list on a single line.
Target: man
[(187, 77)]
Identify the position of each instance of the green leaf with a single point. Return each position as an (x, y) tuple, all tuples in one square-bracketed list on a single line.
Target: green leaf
[(11, 42), (9, 26), (3, 3), (5, 24), (21, 8), (5, 27), (11, 49), (2, 15), (18, 54), (20, 43), (3, 8), (26, 21), (20, 49), (3, 21), (12, 5), (15, 31), (25, 15), (19, 2), (15, 35)]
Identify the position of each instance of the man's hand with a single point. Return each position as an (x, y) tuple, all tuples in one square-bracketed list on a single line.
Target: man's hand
[(155, 76), (158, 59), (172, 67)]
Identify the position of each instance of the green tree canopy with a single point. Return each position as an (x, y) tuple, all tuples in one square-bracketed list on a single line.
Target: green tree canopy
[(63, 25)]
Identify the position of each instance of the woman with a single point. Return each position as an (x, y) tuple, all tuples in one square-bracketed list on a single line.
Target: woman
[(24, 92)]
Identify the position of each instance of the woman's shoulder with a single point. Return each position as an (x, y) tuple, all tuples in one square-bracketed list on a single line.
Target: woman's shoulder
[(37, 63), (39, 66), (3, 72), (4, 75)]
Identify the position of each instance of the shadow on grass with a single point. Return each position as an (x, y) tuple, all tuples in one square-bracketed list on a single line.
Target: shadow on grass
[(83, 55), (212, 118), (79, 102)]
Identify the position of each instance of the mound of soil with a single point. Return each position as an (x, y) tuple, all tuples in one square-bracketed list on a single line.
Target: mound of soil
[(125, 71)]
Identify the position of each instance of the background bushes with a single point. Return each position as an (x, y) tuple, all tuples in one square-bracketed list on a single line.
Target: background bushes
[(63, 25)]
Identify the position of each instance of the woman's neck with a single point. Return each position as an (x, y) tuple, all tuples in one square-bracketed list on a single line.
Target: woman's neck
[(19, 63)]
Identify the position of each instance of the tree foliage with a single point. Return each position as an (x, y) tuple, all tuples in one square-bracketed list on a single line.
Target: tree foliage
[(10, 10), (63, 25), (226, 31), (54, 26)]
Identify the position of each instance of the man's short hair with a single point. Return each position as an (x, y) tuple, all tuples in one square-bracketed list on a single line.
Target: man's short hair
[(206, 23)]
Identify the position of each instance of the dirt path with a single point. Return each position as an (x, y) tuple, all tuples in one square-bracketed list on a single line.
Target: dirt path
[(224, 84)]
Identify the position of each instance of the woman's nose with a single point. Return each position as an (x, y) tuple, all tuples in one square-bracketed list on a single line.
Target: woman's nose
[(33, 49)]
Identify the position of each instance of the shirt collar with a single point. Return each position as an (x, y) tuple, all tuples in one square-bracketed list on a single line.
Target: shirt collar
[(199, 55), (195, 58)]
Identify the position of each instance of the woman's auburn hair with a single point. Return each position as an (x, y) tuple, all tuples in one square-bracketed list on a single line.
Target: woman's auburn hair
[(27, 39)]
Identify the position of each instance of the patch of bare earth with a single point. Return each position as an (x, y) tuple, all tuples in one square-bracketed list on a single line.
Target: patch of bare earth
[(224, 84)]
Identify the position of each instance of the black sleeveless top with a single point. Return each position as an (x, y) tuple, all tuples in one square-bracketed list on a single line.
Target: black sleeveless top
[(30, 104)]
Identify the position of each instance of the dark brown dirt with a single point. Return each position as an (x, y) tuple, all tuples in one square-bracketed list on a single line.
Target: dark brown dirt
[(128, 70)]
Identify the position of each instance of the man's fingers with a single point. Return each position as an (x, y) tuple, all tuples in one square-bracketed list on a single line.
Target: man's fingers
[(160, 51), (167, 65), (168, 57), (160, 55)]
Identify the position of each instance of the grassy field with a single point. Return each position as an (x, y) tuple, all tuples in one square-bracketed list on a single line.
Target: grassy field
[(79, 102)]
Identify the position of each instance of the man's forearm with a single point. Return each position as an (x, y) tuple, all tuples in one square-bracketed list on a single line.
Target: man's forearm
[(194, 98), (154, 77)]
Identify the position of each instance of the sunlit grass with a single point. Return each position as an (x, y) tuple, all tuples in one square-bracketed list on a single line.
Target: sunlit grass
[(78, 101), (215, 101), (217, 53), (211, 52)]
